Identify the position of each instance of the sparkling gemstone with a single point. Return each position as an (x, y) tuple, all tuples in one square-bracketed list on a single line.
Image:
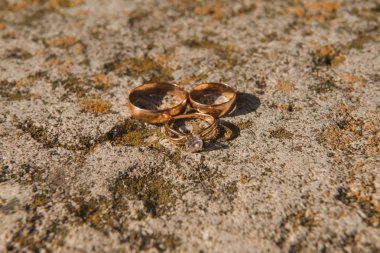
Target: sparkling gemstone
[(194, 144)]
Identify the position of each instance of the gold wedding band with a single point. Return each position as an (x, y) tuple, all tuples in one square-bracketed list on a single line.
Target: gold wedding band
[(216, 99), (193, 142), (142, 98)]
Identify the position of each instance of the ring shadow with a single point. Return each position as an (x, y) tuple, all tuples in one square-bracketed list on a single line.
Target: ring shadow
[(225, 128), (245, 103)]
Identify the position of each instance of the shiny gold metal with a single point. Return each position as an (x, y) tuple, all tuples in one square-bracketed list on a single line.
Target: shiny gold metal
[(144, 93), (203, 98), (193, 142)]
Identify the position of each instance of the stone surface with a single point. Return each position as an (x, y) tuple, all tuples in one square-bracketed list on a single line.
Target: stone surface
[(295, 168)]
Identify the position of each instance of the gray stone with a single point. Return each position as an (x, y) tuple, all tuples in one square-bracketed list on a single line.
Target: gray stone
[(295, 167)]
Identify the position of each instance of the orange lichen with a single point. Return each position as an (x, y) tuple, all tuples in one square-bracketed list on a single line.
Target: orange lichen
[(20, 5), (328, 55), (349, 78), (348, 130), (284, 86), (297, 11), (370, 125), (243, 179), (63, 41), (164, 59), (76, 25), (95, 105), (63, 65), (325, 50), (101, 81), (53, 62), (2, 26), (66, 64), (373, 144), (336, 139), (323, 6), (25, 82), (378, 208), (215, 10), (29, 80), (316, 10), (78, 48)]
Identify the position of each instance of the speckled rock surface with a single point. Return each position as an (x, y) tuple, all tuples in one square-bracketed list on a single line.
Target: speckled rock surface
[(294, 169)]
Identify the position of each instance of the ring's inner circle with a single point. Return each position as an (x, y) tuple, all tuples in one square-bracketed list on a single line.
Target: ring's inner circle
[(157, 101), (212, 94), (211, 98), (193, 126)]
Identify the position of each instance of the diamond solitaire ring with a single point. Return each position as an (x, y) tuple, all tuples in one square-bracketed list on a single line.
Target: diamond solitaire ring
[(194, 138)]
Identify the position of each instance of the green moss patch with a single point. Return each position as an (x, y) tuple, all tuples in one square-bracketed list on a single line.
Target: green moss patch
[(73, 85), (38, 200), (299, 218), (113, 213), (281, 133), (69, 3), (156, 193), (41, 135), (161, 242), (28, 174), (323, 84), (137, 67), (19, 54), (9, 91), (360, 41), (244, 125), (98, 213), (226, 52), (133, 133), (106, 214), (30, 237), (128, 133), (231, 190), (176, 156)]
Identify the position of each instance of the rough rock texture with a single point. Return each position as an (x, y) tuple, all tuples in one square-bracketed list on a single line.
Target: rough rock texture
[(294, 169)]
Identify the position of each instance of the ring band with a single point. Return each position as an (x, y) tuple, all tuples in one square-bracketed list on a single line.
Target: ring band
[(144, 93), (193, 143), (204, 98)]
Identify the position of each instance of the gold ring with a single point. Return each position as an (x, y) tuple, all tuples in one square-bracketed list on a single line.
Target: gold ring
[(192, 141), (216, 99), (146, 102)]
